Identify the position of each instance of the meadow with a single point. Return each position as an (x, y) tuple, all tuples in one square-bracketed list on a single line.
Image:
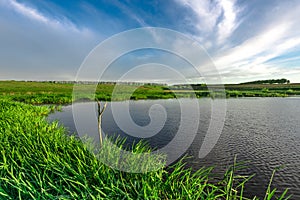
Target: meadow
[(40, 161), (61, 93)]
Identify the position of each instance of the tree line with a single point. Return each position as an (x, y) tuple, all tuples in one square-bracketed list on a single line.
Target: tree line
[(270, 81)]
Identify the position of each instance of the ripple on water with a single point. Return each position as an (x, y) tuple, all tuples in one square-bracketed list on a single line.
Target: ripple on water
[(263, 131)]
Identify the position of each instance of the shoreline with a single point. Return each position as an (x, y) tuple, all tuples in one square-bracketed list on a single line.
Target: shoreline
[(62, 93)]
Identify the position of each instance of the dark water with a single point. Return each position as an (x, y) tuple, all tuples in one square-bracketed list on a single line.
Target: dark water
[(263, 131)]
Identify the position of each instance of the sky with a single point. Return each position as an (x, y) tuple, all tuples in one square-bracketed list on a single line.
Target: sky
[(246, 40)]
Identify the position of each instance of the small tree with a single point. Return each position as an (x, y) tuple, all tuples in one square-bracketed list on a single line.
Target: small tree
[(100, 113)]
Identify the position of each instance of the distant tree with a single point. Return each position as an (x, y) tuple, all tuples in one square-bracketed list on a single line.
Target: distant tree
[(270, 81)]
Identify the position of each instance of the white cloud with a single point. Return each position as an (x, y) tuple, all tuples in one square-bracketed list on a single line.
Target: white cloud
[(217, 18), (255, 46), (251, 59), (207, 13), (27, 11), (216, 22), (285, 60), (239, 52), (36, 15), (229, 22), (131, 14), (35, 47)]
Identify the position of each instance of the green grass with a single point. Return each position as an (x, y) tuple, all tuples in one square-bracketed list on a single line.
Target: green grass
[(39, 161), (61, 93)]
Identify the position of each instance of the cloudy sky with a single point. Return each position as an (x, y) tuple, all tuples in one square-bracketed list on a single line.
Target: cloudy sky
[(246, 39)]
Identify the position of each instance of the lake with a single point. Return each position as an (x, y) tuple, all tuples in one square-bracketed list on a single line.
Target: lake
[(263, 131)]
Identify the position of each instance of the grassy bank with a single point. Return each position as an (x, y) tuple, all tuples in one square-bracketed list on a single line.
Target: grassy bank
[(39, 161), (61, 93)]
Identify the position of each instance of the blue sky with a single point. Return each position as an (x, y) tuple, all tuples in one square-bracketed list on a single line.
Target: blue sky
[(246, 39)]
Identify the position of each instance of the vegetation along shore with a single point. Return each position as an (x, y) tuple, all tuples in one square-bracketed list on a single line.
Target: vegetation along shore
[(40, 161), (61, 92)]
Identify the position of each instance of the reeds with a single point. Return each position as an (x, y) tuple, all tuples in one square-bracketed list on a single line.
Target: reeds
[(39, 161)]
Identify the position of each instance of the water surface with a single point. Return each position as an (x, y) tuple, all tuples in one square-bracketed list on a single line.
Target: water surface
[(263, 131)]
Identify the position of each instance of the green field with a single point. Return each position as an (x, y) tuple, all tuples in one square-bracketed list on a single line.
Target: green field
[(246, 90), (61, 93), (40, 161)]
